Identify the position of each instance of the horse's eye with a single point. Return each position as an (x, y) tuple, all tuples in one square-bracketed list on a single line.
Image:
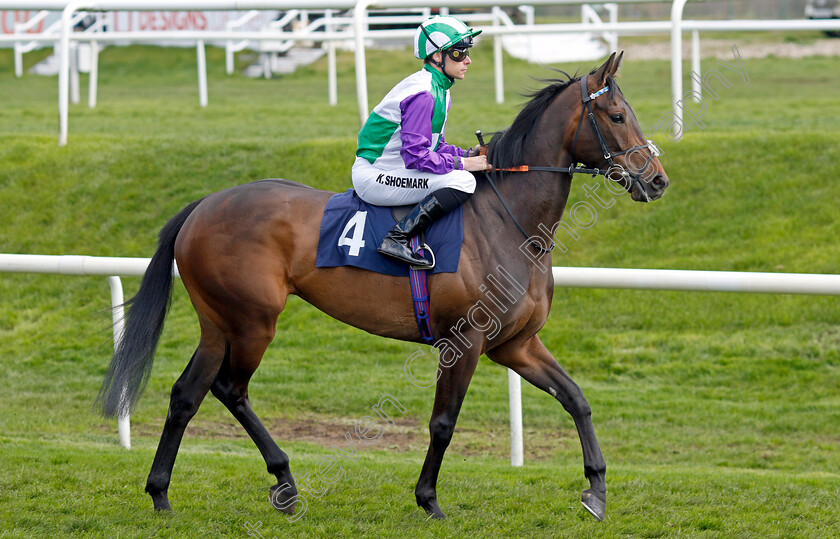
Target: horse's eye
[(617, 118)]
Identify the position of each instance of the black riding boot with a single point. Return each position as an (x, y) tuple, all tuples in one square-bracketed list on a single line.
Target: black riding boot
[(395, 243)]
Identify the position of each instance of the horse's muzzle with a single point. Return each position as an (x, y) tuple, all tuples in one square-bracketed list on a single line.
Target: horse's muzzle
[(649, 190)]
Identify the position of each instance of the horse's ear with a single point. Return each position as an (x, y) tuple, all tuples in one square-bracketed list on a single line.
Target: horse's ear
[(605, 70), (617, 63)]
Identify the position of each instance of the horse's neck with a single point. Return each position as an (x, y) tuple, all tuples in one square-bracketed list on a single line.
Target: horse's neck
[(540, 197), (536, 198)]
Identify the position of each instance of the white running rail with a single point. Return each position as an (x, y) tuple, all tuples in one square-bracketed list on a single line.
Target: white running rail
[(638, 279), (110, 267)]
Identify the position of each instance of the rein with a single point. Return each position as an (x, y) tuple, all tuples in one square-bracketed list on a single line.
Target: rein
[(533, 244), (571, 169)]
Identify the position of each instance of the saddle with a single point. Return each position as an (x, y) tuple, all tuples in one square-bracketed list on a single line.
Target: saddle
[(399, 212)]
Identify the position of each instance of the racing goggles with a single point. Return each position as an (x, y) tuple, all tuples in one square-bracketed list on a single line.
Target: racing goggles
[(458, 55)]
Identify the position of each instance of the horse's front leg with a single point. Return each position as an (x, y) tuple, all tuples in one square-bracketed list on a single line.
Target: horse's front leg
[(534, 362), (449, 395)]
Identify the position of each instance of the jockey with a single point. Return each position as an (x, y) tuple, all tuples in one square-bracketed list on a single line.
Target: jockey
[(402, 157)]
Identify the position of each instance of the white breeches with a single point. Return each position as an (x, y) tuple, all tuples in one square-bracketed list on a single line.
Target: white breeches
[(402, 186)]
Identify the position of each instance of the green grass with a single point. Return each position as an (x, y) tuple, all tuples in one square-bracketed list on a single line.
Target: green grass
[(717, 413)]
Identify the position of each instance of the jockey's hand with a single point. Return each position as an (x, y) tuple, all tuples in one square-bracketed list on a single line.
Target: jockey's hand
[(476, 163), (478, 150)]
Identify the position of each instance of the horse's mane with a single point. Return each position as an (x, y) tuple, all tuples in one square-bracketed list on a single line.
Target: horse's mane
[(506, 148)]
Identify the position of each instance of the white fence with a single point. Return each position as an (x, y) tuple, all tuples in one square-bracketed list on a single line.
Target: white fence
[(361, 31), (638, 279), (111, 267)]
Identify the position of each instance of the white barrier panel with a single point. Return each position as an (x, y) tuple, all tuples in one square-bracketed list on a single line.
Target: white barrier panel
[(10, 18), (161, 21)]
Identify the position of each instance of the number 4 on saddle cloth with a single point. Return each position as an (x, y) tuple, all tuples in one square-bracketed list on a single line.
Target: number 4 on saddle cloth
[(351, 230)]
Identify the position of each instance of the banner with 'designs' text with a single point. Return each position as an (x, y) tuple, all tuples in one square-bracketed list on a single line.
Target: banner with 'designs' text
[(168, 21), (9, 18), (146, 21)]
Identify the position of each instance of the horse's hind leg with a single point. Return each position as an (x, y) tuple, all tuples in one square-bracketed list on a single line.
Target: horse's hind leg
[(535, 363), (231, 388), (187, 394)]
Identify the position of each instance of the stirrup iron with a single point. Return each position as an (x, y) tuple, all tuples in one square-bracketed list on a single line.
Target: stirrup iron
[(425, 247)]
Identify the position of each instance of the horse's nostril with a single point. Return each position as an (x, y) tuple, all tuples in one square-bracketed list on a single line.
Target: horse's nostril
[(658, 182)]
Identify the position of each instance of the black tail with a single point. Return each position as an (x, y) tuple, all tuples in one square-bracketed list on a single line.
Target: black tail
[(132, 362)]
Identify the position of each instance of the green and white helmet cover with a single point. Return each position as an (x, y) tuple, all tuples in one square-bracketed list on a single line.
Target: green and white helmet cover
[(441, 32)]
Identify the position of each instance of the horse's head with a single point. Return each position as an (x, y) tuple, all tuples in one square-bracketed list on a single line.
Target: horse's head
[(608, 136)]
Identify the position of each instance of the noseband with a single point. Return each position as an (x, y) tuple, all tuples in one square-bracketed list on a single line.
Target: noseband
[(586, 98)]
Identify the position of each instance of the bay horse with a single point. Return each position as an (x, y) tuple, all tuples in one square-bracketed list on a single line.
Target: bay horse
[(242, 251)]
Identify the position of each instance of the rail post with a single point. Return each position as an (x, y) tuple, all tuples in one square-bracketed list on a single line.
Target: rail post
[(118, 316)]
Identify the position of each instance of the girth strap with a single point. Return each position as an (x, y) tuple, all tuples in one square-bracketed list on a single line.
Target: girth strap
[(420, 296)]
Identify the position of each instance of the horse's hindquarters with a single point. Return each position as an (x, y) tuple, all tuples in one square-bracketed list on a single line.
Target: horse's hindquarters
[(240, 249)]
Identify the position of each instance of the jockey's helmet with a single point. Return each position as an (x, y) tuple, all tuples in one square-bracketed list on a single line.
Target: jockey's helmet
[(442, 32)]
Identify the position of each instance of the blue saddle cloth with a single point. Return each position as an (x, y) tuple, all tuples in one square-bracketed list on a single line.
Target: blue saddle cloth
[(351, 230)]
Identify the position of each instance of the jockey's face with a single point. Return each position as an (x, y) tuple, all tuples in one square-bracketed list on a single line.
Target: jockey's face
[(455, 70)]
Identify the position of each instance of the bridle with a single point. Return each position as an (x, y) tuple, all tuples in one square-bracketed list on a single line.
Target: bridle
[(608, 156), (586, 99)]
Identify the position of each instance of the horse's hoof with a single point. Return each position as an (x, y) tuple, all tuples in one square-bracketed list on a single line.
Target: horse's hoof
[(431, 507), (595, 503), (283, 498), (436, 513), (161, 502)]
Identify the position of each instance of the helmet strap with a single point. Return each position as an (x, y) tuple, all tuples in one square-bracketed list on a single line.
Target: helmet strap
[(443, 67), (435, 62), (441, 64)]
